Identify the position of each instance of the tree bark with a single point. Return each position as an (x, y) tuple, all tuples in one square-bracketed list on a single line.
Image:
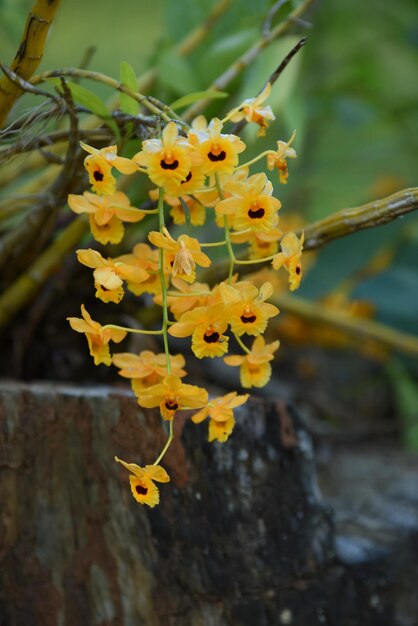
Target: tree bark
[(242, 536)]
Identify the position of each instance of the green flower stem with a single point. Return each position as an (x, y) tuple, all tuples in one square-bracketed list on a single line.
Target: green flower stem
[(253, 261), (133, 330), (167, 445), (227, 233), (255, 159), (213, 244), (162, 280), (149, 211), (241, 344)]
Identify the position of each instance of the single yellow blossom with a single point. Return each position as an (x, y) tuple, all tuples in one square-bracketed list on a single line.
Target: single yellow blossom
[(251, 204), (168, 160), (109, 274), (172, 395), (97, 336), (252, 111), (142, 480), (206, 325), (146, 368), (219, 151), (106, 214), (255, 369), (182, 255), (221, 415), (247, 310), (99, 165), (143, 256), (278, 160), (290, 258)]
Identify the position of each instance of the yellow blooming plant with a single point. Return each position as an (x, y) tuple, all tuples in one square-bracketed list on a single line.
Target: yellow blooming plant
[(199, 179)]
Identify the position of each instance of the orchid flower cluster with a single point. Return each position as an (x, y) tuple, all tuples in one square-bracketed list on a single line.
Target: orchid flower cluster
[(197, 175)]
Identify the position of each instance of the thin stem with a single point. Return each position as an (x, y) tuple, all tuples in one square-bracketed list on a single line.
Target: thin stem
[(133, 330), (227, 233), (255, 159), (110, 82), (239, 65), (162, 280), (213, 244), (167, 445), (241, 344), (254, 261)]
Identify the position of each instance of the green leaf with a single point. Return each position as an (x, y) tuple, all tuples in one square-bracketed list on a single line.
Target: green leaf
[(90, 100), (197, 95), (128, 78), (186, 214)]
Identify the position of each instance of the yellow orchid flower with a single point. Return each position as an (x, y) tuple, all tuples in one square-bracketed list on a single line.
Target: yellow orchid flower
[(221, 415), (106, 214), (142, 481), (97, 337), (219, 151), (147, 368), (252, 111), (206, 325), (182, 255), (99, 165), (278, 160), (290, 258), (255, 369), (109, 274), (172, 395), (251, 204), (247, 310), (168, 160)]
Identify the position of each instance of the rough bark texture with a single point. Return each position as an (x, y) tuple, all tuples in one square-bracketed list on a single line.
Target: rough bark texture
[(242, 536)]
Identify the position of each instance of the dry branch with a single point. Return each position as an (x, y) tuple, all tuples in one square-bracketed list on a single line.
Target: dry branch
[(23, 289), (29, 54)]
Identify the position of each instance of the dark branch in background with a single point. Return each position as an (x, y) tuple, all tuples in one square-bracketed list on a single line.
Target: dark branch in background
[(266, 28), (22, 243), (237, 128), (25, 86)]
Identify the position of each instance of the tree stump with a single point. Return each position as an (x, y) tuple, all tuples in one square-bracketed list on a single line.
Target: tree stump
[(242, 536)]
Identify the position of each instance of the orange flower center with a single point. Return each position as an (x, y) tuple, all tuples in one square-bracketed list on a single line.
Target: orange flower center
[(98, 175)]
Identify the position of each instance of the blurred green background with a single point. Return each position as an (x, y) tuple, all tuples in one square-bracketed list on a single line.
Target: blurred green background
[(351, 93)]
